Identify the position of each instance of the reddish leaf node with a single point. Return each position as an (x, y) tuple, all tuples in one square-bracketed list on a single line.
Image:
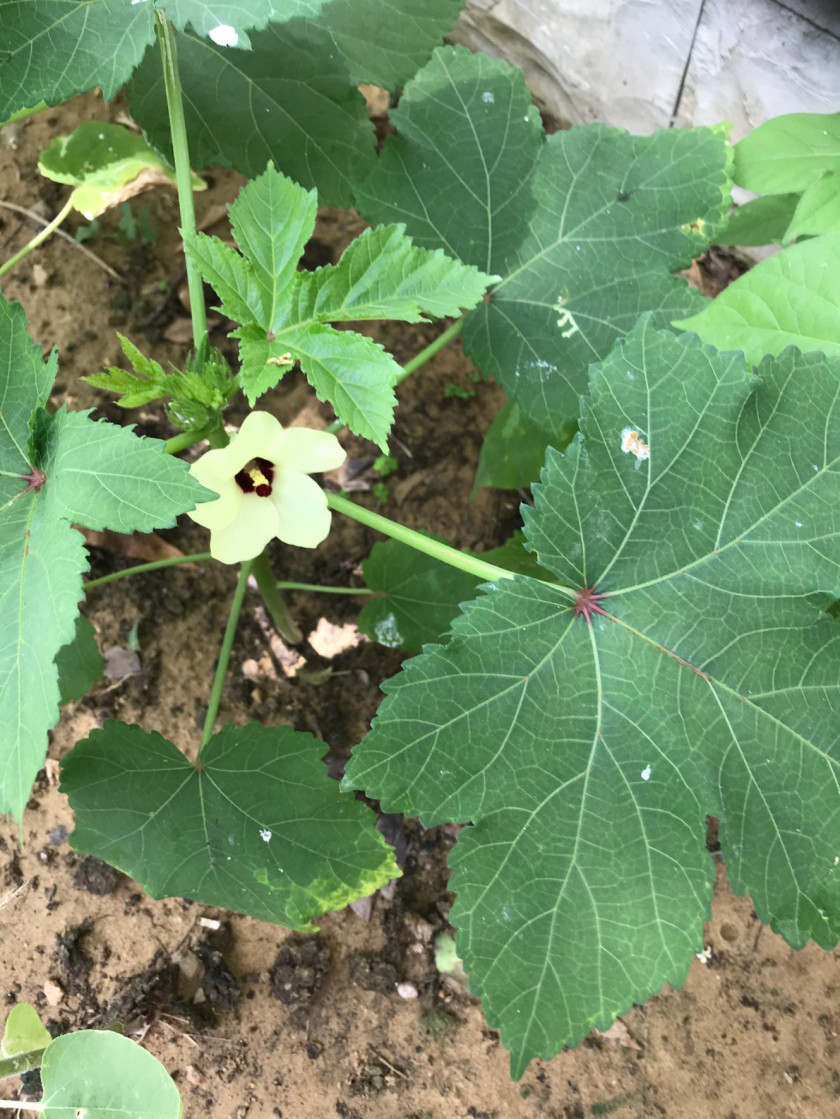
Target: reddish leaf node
[(587, 602), (34, 480)]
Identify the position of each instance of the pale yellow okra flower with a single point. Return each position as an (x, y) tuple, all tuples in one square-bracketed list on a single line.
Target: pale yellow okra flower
[(262, 479)]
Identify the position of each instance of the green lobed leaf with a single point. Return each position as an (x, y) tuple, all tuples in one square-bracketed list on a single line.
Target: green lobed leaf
[(788, 153), (54, 49), (88, 479), (99, 1074), (284, 314), (289, 99), (762, 221), (585, 229), (79, 662), (458, 172), (383, 275), (790, 299), (104, 476), (226, 21), (23, 1032), (257, 827), (587, 754), (272, 219), (818, 210), (385, 42)]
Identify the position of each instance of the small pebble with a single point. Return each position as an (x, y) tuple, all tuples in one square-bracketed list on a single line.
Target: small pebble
[(406, 990)]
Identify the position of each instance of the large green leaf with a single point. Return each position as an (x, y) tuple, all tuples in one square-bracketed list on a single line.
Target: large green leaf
[(226, 21), (293, 97), (759, 222), (458, 173), (79, 663), (818, 210), (790, 299), (257, 827), (385, 41), (289, 100), (54, 49), (284, 314), (788, 153), (98, 1074), (585, 229), (687, 667), (61, 470)]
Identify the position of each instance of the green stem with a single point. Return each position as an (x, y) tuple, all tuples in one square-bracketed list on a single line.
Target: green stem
[(183, 177), (190, 438), (273, 600), (412, 366), (443, 552), (141, 567), (282, 586), (224, 654), (433, 347), (19, 1105), (39, 237), (21, 1062)]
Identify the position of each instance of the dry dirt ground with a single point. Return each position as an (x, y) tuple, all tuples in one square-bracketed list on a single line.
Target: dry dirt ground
[(249, 1019)]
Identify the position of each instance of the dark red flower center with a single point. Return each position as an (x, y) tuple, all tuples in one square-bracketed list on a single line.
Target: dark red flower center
[(256, 477)]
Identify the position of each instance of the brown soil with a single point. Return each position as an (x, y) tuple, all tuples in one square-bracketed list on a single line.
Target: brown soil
[(249, 1019)]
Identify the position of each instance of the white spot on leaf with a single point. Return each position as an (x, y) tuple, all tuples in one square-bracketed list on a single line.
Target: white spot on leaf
[(633, 444), (225, 35), (265, 834), (387, 633), (646, 773), (488, 97)]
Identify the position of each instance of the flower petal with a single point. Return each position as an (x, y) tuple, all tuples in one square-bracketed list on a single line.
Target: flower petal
[(216, 514), (302, 507), (248, 533), (306, 450), (253, 440)]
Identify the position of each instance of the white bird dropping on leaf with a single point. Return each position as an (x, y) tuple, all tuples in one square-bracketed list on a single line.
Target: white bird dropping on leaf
[(262, 479), (632, 443)]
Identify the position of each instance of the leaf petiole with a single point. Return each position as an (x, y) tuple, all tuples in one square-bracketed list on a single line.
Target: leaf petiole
[(315, 588), (434, 548), (39, 237), (224, 654), (140, 568)]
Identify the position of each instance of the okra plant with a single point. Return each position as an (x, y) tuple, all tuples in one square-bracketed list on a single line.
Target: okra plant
[(658, 646)]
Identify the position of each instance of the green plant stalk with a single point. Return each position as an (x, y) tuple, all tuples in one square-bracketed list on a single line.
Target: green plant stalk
[(420, 359), (140, 568), (224, 654), (20, 1062), (274, 604), (443, 552), (39, 237), (433, 347), (190, 438), (183, 178), (315, 588), (18, 1105)]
